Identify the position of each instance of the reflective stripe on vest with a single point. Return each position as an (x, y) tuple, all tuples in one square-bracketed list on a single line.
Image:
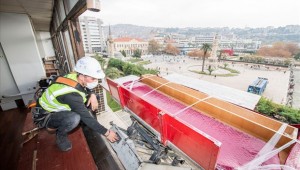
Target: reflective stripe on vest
[(48, 100)]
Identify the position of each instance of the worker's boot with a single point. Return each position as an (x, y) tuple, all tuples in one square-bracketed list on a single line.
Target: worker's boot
[(63, 143), (51, 130)]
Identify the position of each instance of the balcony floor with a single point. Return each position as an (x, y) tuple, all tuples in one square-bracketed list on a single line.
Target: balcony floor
[(41, 151)]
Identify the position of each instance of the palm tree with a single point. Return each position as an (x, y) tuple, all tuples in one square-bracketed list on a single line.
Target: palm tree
[(205, 47), (210, 69)]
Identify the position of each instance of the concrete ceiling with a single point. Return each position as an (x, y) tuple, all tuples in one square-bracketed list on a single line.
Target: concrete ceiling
[(40, 11)]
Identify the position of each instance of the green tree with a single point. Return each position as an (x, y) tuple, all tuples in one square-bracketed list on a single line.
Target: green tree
[(205, 47), (137, 53), (277, 111), (225, 65), (210, 69), (113, 72), (286, 62), (153, 47), (297, 56), (117, 68), (101, 60), (123, 53), (116, 63), (132, 69)]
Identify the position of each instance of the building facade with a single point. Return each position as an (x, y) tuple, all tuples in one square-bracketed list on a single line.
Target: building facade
[(224, 42), (92, 34), (129, 45)]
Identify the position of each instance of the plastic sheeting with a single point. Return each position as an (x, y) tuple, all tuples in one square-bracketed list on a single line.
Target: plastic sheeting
[(293, 159), (237, 148), (238, 97)]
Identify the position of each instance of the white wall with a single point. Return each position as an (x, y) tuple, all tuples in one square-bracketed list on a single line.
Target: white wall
[(19, 45), (7, 82), (45, 44), (40, 44)]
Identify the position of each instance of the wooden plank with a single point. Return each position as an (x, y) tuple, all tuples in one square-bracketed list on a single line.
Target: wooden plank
[(11, 123), (49, 66), (27, 156), (41, 152), (34, 160), (79, 157), (253, 116)]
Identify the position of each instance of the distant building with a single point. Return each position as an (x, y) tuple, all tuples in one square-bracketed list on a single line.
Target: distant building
[(170, 41), (92, 34), (199, 40), (159, 39), (240, 45), (227, 42), (129, 45), (177, 40)]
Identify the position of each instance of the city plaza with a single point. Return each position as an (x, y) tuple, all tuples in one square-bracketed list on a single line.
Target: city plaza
[(278, 76)]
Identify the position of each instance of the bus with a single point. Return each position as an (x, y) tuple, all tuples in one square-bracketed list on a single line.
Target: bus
[(258, 86)]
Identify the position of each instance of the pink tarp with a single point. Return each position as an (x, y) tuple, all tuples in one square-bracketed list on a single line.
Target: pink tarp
[(237, 147)]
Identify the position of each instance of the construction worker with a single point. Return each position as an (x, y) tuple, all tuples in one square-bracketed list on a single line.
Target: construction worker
[(61, 107)]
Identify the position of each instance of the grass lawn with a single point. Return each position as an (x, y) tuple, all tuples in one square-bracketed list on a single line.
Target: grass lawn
[(112, 103)]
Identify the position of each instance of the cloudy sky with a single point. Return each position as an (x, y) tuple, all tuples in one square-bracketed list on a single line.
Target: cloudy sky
[(200, 13)]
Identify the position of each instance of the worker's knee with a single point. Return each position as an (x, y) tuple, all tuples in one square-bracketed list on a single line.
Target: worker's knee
[(75, 119), (64, 121)]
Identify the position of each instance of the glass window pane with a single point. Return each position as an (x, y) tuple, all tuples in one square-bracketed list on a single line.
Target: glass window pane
[(71, 4), (62, 13), (70, 50)]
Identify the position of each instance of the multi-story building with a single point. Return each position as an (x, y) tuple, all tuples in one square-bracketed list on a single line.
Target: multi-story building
[(159, 39), (129, 45), (92, 34), (239, 45), (181, 40), (199, 40), (229, 42), (224, 42)]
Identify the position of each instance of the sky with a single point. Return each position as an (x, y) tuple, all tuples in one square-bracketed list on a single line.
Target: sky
[(200, 13)]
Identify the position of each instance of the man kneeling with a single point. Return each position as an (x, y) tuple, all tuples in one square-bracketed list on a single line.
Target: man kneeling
[(61, 107)]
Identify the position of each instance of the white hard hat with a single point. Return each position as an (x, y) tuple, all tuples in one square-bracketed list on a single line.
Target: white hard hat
[(90, 67)]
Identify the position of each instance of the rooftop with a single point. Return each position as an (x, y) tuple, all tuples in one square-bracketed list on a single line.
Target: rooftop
[(128, 39)]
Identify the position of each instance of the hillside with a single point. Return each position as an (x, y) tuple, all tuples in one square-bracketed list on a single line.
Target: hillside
[(268, 35)]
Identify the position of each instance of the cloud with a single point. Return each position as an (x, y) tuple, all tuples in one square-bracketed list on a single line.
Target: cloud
[(204, 13)]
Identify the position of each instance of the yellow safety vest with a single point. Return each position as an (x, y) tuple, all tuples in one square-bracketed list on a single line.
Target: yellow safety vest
[(48, 99)]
